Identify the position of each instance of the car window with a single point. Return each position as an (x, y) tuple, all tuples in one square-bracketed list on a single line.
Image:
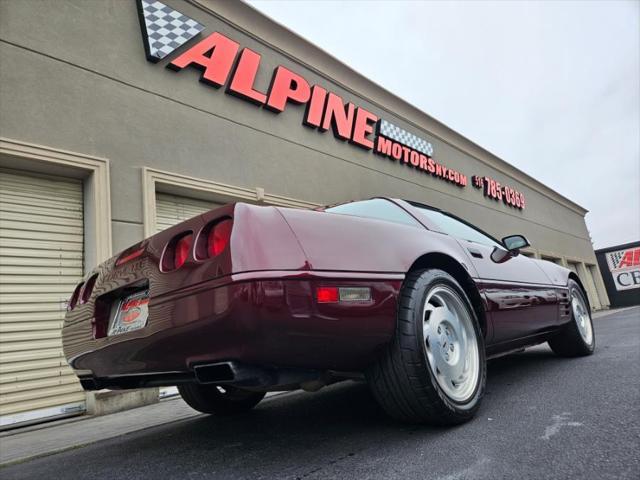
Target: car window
[(377, 208), (457, 228)]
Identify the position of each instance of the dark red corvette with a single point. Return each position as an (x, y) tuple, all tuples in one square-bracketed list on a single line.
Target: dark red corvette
[(246, 299)]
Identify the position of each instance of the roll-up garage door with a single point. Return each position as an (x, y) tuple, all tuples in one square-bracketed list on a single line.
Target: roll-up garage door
[(41, 260), (172, 209)]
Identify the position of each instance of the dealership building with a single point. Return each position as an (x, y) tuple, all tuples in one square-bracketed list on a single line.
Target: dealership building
[(120, 119)]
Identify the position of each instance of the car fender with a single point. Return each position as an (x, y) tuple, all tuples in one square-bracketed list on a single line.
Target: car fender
[(558, 275)]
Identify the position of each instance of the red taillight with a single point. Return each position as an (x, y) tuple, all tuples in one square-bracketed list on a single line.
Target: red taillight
[(176, 252), (88, 288), (181, 251), (74, 298), (218, 238), (328, 295)]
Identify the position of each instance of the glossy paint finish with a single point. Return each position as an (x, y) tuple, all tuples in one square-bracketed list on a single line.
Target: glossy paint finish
[(255, 302), (520, 297), (519, 310), (355, 244)]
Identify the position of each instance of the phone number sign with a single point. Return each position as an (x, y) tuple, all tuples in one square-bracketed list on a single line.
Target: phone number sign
[(494, 190)]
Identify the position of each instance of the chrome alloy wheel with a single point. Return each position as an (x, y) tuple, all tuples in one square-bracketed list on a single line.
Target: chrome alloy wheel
[(451, 343), (582, 317)]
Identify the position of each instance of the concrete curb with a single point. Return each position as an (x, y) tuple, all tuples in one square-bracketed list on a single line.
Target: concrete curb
[(605, 313)]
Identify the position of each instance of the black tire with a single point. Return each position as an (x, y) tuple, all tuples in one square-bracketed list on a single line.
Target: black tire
[(219, 400), (402, 379), (569, 342)]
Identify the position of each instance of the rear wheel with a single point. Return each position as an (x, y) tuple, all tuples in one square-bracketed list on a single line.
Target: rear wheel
[(576, 339), (434, 370), (219, 400)]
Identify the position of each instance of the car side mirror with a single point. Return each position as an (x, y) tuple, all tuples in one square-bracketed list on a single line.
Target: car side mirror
[(512, 244)]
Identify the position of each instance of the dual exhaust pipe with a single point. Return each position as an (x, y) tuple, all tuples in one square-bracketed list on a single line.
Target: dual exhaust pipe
[(241, 375), (219, 373)]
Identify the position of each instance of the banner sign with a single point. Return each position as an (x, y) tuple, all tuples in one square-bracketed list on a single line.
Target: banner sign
[(624, 266)]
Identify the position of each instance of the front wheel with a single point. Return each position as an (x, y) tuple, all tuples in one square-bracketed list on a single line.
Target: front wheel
[(218, 399), (576, 339), (434, 370)]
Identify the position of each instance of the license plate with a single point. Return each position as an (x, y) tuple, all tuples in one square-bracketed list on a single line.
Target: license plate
[(132, 314)]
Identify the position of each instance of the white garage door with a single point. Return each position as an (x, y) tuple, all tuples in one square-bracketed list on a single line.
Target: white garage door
[(172, 209), (41, 260)]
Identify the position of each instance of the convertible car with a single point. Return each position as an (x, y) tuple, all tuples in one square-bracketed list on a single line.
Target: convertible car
[(247, 299)]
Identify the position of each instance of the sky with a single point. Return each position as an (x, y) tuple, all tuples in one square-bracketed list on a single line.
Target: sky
[(551, 87)]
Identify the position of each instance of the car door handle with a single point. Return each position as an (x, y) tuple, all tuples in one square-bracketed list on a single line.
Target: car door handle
[(475, 253)]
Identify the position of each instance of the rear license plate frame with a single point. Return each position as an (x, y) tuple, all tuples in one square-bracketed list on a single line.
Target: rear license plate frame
[(131, 314)]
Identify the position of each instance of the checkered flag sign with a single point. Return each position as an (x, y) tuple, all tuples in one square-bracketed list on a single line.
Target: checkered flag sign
[(393, 132), (164, 29), (613, 258)]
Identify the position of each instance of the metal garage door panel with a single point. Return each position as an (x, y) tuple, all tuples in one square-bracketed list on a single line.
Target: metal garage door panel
[(173, 209), (31, 298), (56, 248), (17, 259), (27, 367), (41, 260), (12, 205), (12, 361)]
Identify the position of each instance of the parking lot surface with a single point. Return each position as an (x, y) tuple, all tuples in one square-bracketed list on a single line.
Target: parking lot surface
[(542, 417)]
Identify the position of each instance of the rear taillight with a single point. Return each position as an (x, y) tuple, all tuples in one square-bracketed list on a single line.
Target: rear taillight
[(73, 301), (181, 252), (88, 289), (213, 239), (218, 237), (177, 252)]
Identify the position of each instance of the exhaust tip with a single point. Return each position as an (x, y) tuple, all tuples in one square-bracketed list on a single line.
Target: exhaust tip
[(90, 383), (214, 373)]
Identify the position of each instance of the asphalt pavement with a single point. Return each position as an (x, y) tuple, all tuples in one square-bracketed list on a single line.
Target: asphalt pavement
[(542, 417)]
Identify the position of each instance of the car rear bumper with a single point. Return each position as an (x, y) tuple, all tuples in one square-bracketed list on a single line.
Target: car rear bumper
[(268, 319)]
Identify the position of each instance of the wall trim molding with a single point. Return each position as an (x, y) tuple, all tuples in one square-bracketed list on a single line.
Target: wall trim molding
[(97, 190), (154, 180)]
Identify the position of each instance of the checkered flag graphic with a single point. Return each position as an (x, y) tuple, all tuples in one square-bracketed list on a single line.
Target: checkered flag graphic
[(164, 28), (613, 258), (389, 130)]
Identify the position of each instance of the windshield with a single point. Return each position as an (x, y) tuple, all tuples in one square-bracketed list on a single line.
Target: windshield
[(456, 227)]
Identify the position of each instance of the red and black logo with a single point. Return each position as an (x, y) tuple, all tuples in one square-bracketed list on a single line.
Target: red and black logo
[(624, 258)]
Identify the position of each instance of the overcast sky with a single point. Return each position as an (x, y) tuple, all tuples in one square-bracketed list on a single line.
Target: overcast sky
[(551, 87)]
